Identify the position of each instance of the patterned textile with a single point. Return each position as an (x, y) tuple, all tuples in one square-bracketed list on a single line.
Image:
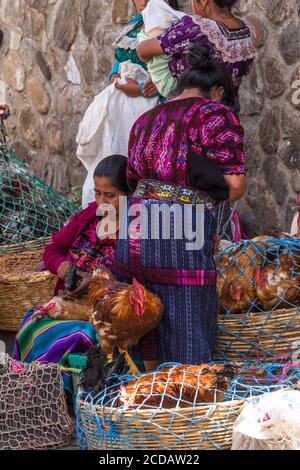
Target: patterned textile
[(162, 139), (89, 253), (154, 189), (47, 340), (184, 279), (233, 48), (127, 43)]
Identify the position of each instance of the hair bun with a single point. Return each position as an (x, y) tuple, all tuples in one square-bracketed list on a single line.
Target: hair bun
[(199, 57)]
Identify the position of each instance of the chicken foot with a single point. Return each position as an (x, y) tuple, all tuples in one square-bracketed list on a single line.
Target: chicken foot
[(110, 358), (132, 367)]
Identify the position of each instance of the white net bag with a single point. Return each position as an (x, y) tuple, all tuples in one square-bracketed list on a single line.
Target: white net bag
[(33, 409)]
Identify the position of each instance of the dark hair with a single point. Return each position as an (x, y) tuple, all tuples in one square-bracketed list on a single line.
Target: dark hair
[(114, 167), (204, 74), (225, 3), (174, 4)]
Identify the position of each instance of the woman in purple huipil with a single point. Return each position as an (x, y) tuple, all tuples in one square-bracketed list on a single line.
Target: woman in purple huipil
[(184, 155), (228, 38)]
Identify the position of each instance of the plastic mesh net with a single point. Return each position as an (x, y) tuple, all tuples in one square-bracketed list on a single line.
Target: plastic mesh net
[(33, 410), (29, 209), (259, 293), (172, 410)]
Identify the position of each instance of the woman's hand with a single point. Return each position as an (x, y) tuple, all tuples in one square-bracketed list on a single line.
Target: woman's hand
[(149, 89), (83, 280), (131, 88), (64, 269), (114, 77), (4, 111)]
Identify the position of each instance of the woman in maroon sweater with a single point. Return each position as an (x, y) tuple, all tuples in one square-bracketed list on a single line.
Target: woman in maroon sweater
[(75, 248)]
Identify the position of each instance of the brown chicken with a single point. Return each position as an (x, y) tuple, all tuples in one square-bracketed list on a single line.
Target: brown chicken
[(181, 385), (236, 285), (279, 284), (121, 313)]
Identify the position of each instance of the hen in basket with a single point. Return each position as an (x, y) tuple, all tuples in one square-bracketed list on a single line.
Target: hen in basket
[(236, 285), (180, 385), (278, 284)]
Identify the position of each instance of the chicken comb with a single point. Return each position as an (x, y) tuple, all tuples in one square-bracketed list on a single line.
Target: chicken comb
[(138, 300)]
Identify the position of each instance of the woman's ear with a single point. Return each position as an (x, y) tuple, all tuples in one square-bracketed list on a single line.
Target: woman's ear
[(217, 93), (200, 6)]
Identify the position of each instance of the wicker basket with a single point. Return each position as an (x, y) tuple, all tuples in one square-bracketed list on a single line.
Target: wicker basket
[(258, 336), (21, 288), (211, 429), (7, 250)]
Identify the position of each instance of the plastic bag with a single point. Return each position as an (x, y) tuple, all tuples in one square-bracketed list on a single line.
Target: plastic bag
[(270, 422), (107, 123), (159, 15)]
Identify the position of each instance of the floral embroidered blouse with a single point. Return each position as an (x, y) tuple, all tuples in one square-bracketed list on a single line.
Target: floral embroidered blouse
[(232, 48)]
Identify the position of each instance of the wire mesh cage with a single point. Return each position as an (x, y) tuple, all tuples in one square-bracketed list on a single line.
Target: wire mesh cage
[(259, 293), (33, 410), (30, 211), (176, 407)]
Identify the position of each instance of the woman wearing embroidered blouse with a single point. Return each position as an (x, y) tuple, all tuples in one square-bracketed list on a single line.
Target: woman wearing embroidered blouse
[(228, 38), (184, 153)]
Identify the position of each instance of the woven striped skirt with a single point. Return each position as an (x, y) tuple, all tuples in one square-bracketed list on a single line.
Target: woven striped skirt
[(51, 341), (184, 278)]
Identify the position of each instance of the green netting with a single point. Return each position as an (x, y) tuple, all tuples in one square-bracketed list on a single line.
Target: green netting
[(112, 420), (259, 293), (29, 209)]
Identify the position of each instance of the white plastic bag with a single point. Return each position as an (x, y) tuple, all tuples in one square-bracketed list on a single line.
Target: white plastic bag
[(107, 123), (159, 15), (269, 422)]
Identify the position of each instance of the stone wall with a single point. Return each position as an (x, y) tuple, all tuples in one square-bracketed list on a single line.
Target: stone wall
[(57, 54)]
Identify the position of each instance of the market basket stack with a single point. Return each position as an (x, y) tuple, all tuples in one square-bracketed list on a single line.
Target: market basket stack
[(259, 293), (22, 287)]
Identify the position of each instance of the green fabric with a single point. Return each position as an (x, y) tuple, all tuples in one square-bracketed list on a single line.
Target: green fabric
[(159, 70), (122, 55)]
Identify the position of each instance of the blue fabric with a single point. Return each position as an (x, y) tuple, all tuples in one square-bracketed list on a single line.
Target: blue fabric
[(115, 69), (187, 333)]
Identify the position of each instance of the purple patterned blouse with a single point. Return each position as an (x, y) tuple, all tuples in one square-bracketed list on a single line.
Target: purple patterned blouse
[(89, 253), (232, 48), (163, 139)]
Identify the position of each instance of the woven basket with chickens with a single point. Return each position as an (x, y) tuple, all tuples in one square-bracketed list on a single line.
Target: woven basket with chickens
[(178, 407), (259, 294)]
